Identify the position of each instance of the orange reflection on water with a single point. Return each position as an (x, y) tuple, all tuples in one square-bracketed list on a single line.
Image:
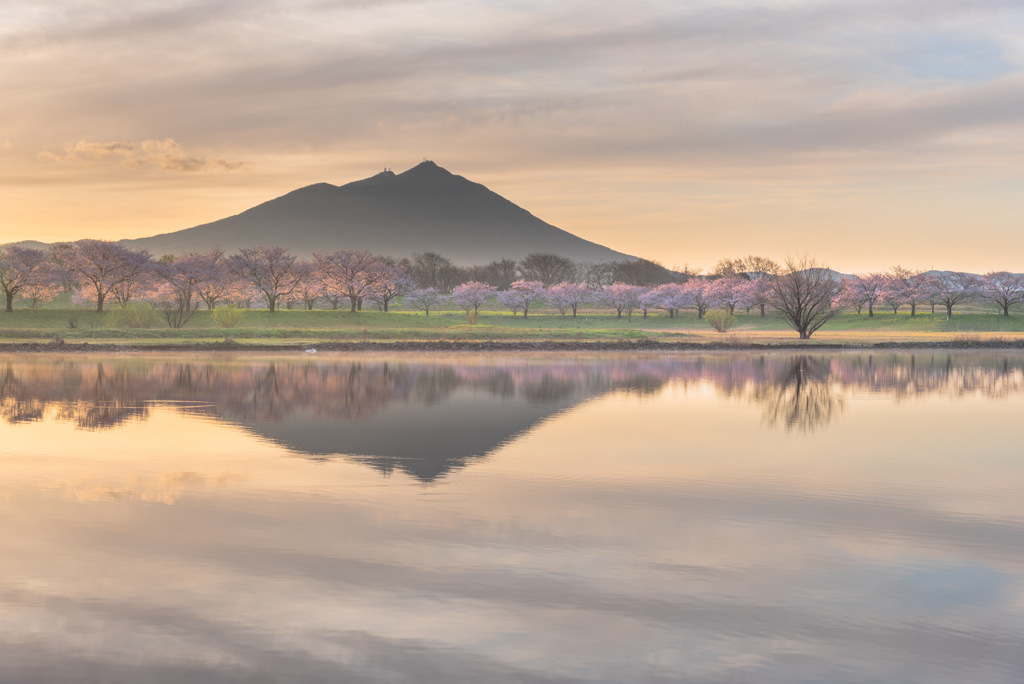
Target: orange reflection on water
[(607, 518)]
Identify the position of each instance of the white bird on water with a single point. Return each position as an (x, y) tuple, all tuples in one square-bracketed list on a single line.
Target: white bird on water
[(311, 351)]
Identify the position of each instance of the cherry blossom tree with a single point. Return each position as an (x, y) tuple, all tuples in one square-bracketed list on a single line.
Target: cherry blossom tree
[(21, 269), (568, 296), (622, 298), (99, 267), (216, 282), (865, 289), (1003, 288), (520, 295), (353, 273), (952, 288), (727, 292), (391, 282), (750, 293), (671, 297), (310, 287), (426, 299), (472, 295), (902, 286), (695, 288), (892, 292), (649, 299), (178, 281), (808, 294), (271, 271), (47, 286), (141, 287)]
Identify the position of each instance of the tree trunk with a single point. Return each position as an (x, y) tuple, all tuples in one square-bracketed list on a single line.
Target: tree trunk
[(385, 306), (352, 309), (913, 309), (1006, 307), (871, 309), (10, 302), (99, 302), (949, 311), (359, 304), (272, 304), (933, 307)]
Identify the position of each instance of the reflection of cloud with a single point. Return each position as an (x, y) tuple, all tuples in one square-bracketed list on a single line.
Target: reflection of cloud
[(165, 154), (166, 488)]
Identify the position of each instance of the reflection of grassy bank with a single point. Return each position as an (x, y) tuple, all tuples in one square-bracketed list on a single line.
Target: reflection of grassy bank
[(290, 327)]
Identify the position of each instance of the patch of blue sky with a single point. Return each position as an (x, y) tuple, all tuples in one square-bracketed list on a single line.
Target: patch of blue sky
[(949, 58)]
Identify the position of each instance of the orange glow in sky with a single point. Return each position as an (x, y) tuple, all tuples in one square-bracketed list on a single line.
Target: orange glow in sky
[(868, 134)]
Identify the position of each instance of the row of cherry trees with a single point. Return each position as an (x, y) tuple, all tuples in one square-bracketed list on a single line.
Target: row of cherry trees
[(97, 271), (901, 287), (699, 294)]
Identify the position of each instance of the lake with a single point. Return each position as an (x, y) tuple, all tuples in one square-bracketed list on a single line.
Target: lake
[(701, 518)]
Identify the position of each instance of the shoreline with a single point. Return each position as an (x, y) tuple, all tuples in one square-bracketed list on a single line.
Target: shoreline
[(540, 346)]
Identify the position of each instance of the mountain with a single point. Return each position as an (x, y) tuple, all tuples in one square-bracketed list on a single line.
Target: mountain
[(424, 209)]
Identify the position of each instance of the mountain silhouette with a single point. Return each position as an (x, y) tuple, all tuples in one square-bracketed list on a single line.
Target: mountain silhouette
[(424, 209)]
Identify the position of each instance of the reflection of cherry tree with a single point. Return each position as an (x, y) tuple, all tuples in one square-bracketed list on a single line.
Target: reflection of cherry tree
[(804, 398), (795, 392)]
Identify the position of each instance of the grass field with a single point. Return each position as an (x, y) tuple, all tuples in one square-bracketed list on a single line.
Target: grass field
[(311, 326)]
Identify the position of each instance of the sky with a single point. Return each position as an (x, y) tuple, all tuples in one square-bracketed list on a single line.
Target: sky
[(865, 132)]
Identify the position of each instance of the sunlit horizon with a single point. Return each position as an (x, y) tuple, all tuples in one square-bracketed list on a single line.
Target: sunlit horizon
[(868, 135)]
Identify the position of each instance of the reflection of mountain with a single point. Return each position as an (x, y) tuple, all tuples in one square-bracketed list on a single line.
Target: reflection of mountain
[(430, 415), (425, 440)]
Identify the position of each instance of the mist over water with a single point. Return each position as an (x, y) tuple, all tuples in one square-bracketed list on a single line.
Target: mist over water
[(693, 517)]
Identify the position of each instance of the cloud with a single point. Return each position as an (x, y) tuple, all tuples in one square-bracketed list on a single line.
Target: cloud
[(729, 82), (5, 145), (166, 155)]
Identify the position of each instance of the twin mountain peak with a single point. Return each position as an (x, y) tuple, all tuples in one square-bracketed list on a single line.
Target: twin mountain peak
[(424, 209)]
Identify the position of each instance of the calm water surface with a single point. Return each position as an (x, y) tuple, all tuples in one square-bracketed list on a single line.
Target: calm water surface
[(694, 518)]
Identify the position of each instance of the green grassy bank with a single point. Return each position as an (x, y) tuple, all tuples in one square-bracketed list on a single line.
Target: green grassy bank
[(339, 326)]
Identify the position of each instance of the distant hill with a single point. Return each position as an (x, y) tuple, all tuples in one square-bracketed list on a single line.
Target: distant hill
[(423, 209), (31, 244)]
